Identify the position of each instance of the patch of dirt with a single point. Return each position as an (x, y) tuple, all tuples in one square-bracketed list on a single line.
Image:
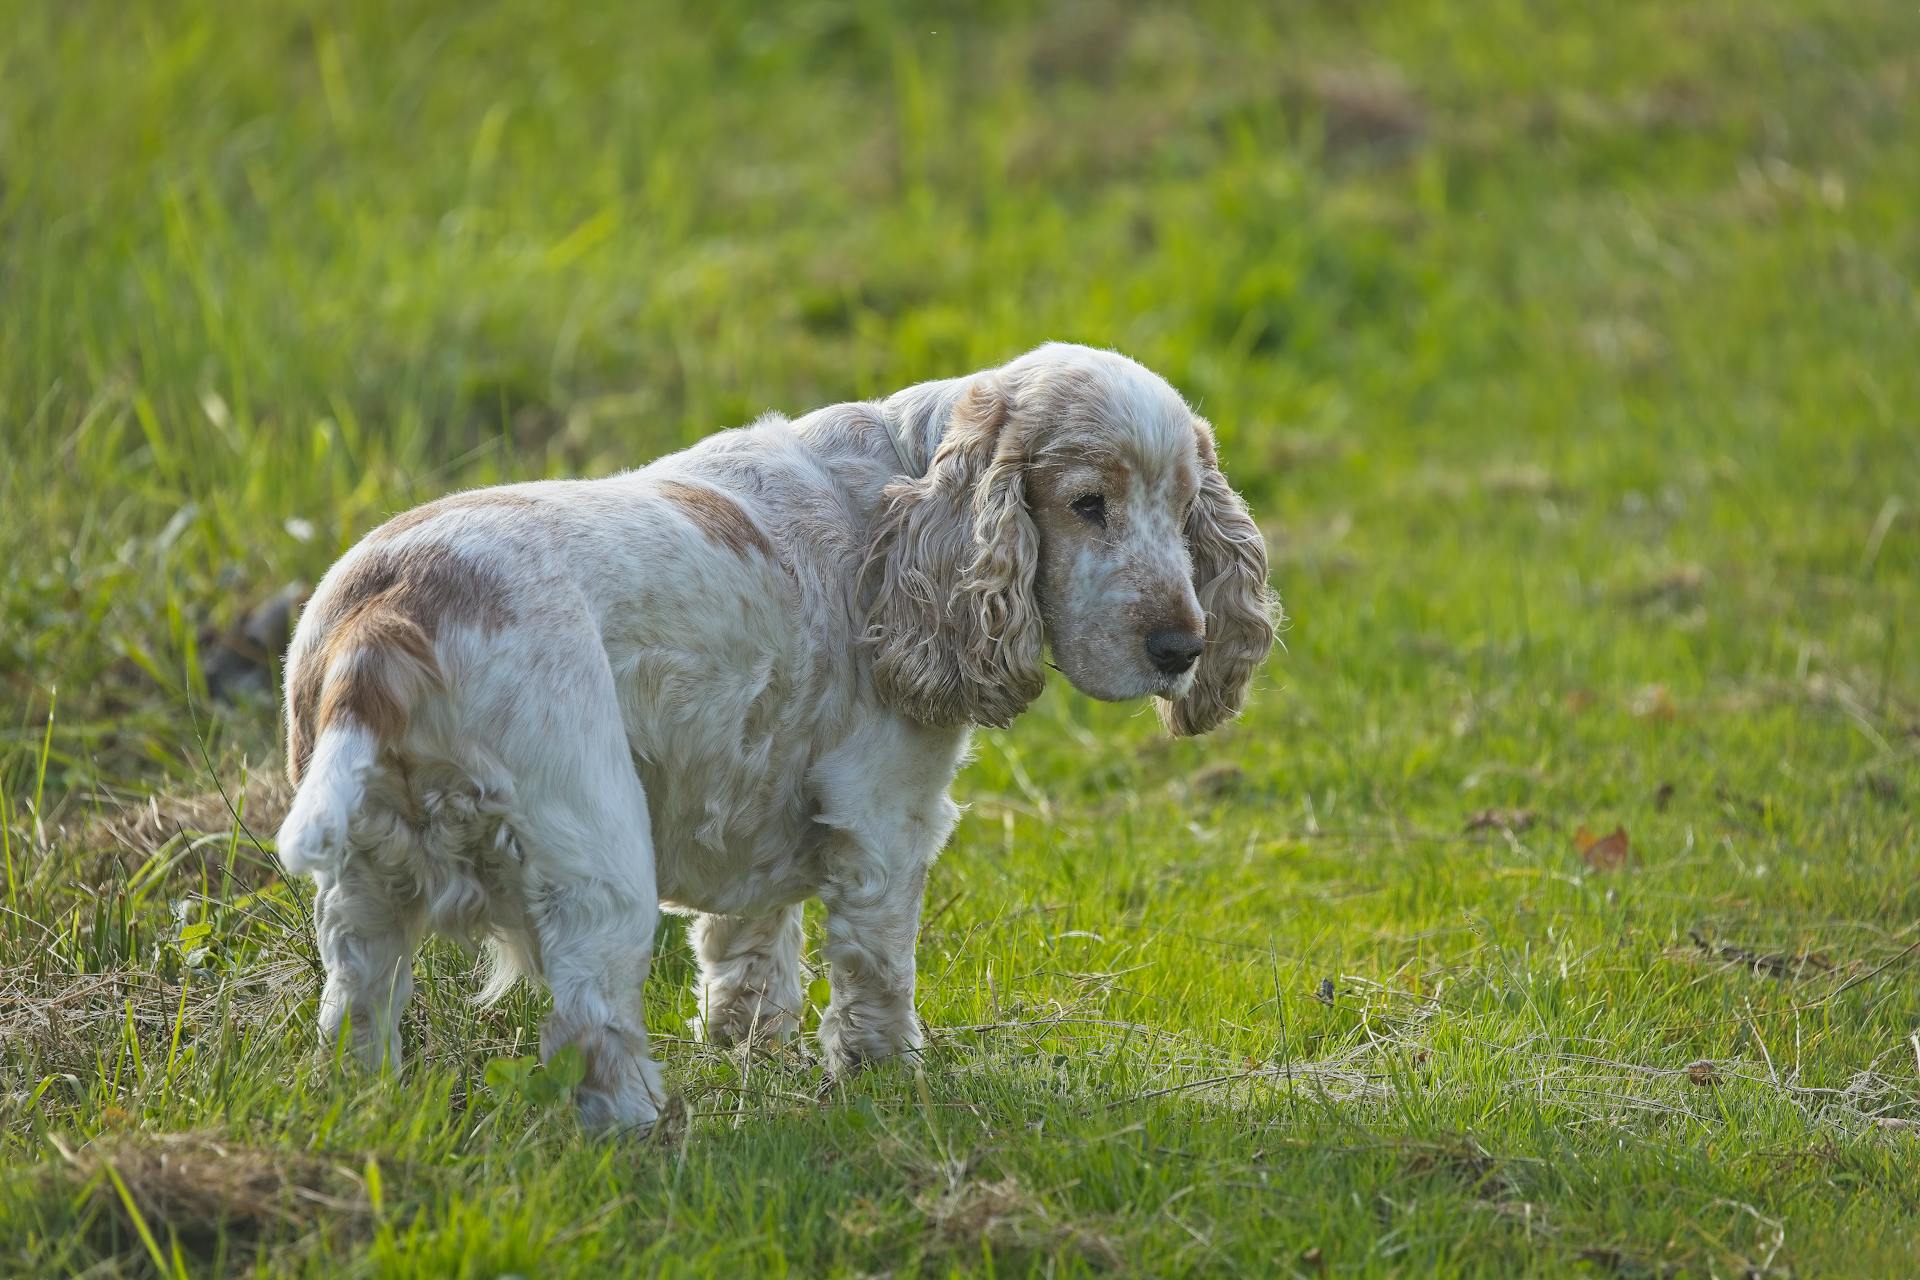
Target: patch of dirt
[(1680, 587), (1217, 781), (1882, 786), (197, 1187), (1084, 41), (1367, 108)]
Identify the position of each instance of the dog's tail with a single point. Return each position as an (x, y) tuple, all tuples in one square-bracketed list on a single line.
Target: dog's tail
[(347, 700)]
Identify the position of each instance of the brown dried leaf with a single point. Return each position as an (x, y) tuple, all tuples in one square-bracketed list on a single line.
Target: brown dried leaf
[(1610, 852), (1652, 702)]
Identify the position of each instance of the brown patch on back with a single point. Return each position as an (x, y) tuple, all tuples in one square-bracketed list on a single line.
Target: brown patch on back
[(381, 619), (718, 516)]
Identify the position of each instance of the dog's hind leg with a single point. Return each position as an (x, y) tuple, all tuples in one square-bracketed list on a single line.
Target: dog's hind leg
[(368, 927), (595, 941), (749, 988), (586, 843)]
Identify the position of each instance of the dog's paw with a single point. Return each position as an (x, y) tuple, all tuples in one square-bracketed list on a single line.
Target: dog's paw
[(748, 1022), (850, 1041), (630, 1106)]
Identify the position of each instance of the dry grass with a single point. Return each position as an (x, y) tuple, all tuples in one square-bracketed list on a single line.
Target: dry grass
[(136, 827), (966, 1212), (196, 1188)]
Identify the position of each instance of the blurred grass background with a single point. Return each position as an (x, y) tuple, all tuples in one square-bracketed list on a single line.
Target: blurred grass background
[(1567, 353)]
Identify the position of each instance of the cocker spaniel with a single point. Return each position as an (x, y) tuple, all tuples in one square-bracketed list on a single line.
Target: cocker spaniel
[(736, 678)]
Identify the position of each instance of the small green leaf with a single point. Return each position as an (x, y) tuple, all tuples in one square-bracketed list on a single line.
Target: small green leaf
[(508, 1076), (568, 1067)]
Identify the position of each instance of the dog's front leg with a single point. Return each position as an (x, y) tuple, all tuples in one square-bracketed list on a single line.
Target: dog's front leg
[(873, 920), (886, 802), (750, 986)]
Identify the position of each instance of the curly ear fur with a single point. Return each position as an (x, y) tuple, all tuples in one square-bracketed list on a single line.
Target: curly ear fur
[(1230, 577), (956, 631)]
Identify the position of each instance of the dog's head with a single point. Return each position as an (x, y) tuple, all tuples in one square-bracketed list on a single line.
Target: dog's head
[(1073, 501)]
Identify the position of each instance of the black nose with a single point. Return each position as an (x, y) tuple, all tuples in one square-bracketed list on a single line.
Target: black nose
[(1172, 649)]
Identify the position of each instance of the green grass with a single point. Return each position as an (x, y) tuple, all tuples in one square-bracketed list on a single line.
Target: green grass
[(1570, 356)]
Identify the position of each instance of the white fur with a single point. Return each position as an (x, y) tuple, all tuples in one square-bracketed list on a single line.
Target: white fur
[(313, 836), (656, 718)]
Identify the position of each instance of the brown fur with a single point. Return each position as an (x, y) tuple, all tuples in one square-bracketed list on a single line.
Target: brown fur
[(718, 516), (381, 618), (379, 642), (303, 707)]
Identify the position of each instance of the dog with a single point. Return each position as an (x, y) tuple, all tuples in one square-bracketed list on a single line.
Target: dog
[(739, 677)]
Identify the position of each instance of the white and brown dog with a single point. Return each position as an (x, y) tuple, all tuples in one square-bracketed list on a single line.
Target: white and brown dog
[(736, 678)]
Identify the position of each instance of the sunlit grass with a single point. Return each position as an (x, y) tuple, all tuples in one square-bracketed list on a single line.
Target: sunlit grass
[(1567, 358)]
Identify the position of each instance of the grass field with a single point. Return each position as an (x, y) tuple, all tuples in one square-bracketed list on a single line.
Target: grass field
[(1570, 356)]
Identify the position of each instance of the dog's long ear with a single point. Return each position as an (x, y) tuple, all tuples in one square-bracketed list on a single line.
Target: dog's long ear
[(956, 631), (1230, 577)]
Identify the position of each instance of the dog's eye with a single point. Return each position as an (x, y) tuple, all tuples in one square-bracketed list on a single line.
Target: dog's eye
[(1091, 507)]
